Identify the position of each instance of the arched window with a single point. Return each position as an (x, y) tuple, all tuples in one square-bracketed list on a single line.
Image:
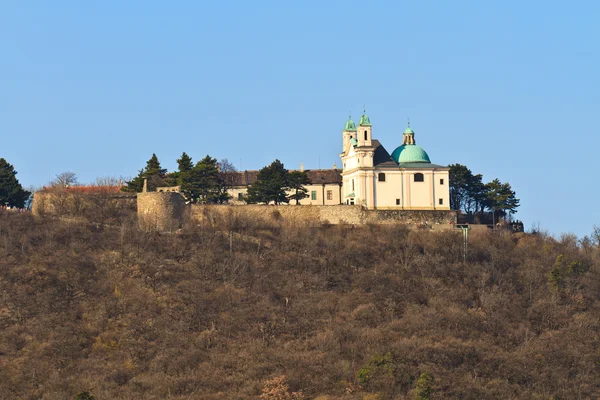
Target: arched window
[(381, 177), (353, 185), (419, 177), (365, 135)]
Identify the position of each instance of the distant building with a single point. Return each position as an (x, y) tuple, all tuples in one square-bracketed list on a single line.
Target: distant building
[(325, 189), (376, 180), (370, 176)]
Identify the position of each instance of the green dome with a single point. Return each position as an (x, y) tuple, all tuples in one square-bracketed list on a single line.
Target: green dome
[(410, 153), (408, 131), (364, 120), (350, 125)]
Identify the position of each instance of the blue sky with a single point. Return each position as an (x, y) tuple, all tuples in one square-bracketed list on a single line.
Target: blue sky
[(510, 89)]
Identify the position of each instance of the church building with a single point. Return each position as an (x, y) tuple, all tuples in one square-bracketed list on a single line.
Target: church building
[(376, 180)]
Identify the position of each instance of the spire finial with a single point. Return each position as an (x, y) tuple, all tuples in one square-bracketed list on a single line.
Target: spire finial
[(408, 118)]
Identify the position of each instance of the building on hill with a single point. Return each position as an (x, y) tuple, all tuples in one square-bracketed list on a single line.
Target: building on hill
[(371, 177), (325, 188), (405, 180)]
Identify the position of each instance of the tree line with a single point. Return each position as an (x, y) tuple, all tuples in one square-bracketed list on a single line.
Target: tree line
[(468, 193), (208, 181)]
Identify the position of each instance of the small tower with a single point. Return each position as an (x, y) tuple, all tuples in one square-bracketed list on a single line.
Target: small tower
[(409, 136), (364, 130), (348, 133)]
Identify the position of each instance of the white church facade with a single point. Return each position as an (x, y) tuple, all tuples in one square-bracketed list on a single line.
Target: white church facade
[(376, 180)]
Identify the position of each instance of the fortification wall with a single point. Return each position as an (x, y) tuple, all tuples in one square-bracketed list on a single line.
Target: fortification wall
[(160, 211), (341, 214), (74, 204)]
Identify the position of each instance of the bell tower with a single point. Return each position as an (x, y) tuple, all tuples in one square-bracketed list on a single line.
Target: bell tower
[(364, 130), (348, 133)]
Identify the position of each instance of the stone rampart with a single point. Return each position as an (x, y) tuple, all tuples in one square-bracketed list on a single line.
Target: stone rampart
[(75, 204), (160, 211), (342, 214)]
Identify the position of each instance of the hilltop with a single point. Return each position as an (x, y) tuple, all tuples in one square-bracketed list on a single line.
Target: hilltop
[(340, 312)]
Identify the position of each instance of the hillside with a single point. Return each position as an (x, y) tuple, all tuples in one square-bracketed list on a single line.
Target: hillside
[(341, 312)]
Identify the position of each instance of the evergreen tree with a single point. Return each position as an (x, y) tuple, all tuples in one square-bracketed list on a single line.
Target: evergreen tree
[(11, 191), (155, 174), (501, 198), (296, 182), (201, 183), (270, 186), (185, 163), (460, 178)]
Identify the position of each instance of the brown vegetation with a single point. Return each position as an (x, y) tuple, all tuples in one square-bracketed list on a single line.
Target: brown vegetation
[(377, 312)]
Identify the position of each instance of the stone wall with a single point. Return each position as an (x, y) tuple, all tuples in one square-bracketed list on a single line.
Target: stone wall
[(160, 211), (341, 214), (74, 204)]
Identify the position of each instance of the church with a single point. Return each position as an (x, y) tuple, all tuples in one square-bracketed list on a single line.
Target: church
[(376, 180), (370, 176)]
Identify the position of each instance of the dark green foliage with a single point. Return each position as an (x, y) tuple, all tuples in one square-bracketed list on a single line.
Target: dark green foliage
[(501, 198), (202, 184), (184, 163), (296, 182), (271, 185), (153, 172), (11, 191), (470, 194), (423, 389)]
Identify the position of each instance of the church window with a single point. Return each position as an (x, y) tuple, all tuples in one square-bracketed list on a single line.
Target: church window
[(419, 177), (381, 177), (441, 201), (353, 185), (441, 181), (313, 195), (330, 195), (397, 202), (365, 135)]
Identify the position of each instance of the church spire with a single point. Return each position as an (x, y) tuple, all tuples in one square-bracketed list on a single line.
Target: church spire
[(350, 124), (364, 119)]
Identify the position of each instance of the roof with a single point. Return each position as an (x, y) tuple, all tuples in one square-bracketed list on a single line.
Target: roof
[(88, 189), (316, 176), (410, 153), (350, 125), (382, 158), (421, 165), (364, 120)]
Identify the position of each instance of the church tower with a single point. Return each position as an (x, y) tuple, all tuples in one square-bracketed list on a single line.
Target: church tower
[(348, 133), (364, 130)]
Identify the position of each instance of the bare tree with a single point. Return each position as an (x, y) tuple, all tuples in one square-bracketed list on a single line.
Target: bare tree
[(65, 180)]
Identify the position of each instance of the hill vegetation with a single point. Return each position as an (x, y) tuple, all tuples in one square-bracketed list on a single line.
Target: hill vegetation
[(237, 310)]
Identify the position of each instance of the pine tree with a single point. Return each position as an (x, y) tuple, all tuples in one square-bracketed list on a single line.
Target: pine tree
[(270, 186), (296, 182), (155, 174), (185, 163), (11, 191), (501, 198), (201, 183)]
